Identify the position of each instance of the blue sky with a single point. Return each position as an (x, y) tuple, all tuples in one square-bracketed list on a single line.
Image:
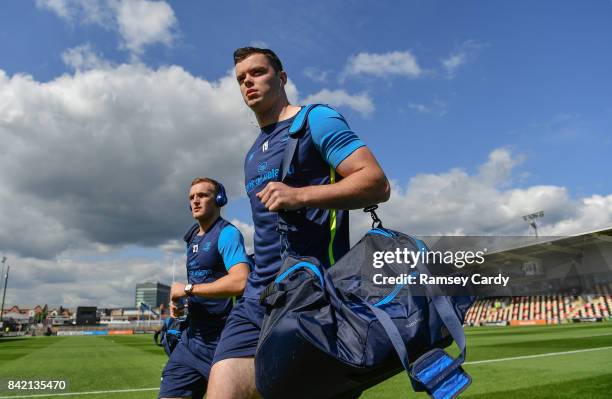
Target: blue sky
[(537, 80), (478, 111)]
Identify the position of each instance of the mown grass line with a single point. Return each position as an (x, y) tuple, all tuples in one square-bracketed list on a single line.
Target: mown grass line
[(134, 362)]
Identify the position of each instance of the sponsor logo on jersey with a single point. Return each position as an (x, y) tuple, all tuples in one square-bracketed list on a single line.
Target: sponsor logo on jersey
[(200, 273), (271, 174)]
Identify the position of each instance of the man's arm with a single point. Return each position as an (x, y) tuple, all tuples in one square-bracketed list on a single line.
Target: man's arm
[(231, 284), (231, 247), (175, 311), (363, 184)]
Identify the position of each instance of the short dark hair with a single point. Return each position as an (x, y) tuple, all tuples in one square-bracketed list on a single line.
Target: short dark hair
[(244, 52), (202, 179)]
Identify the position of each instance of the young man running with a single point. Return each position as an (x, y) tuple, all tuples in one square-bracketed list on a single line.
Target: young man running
[(217, 269), (332, 171)]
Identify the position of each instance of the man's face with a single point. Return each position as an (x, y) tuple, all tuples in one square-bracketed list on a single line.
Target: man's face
[(202, 200), (259, 84)]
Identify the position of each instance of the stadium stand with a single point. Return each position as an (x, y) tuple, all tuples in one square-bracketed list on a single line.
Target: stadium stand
[(552, 309)]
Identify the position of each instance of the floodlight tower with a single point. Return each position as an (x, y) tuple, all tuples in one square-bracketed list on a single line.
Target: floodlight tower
[(3, 262), (4, 293), (531, 219)]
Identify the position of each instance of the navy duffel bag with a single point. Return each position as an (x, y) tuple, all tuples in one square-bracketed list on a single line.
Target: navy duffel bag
[(334, 333), (170, 333)]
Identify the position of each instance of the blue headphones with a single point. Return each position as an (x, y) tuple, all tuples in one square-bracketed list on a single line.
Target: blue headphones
[(221, 198)]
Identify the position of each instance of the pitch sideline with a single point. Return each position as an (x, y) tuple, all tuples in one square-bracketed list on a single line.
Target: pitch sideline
[(157, 388), (503, 359)]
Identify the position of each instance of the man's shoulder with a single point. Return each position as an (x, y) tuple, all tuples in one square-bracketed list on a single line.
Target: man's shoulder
[(224, 223), (332, 135), (316, 114), (323, 110), (229, 231), (323, 118)]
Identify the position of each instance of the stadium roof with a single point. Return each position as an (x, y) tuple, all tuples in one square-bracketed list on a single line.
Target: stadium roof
[(560, 243)]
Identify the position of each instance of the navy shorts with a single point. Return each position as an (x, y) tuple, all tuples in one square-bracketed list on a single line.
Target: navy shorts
[(241, 333), (187, 371)]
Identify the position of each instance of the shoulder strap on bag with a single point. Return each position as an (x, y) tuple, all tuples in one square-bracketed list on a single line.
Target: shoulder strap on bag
[(193, 230), (299, 124)]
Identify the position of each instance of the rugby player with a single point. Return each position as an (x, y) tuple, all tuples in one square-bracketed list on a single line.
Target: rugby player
[(332, 171), (217, 270)]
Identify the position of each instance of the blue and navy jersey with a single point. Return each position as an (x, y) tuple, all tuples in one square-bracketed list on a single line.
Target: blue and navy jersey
[(209, 257), (323, 233)]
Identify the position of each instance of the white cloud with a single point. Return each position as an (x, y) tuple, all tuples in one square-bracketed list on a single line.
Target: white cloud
[(393, 63), (82, 58), (464, 53), (437, 107), (497, 171), (292, 91), (104, 156), (94, 12), (71, 283), (101, 159), (106, 278), (140, 23), (361, 103), (419, 108), (458, 203), (316, 74), (60, 7), (174, 246), (453, 62), (143, 22), (247, 230), (259, 43)]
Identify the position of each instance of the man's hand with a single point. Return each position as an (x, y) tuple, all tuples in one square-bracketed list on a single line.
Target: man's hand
[(278, 196), (175, 311), (177, 292)]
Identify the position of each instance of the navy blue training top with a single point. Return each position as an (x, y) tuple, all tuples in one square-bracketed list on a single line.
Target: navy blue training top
[(322, 233), (209, 257)]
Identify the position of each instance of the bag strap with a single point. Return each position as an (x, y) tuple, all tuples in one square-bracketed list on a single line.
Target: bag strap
[(299, 123), (392, 333), (385, 320), (445, 311), (191, 232)]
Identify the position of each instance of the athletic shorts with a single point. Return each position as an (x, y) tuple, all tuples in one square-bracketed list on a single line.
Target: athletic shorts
[(187, 371), (241, 333)]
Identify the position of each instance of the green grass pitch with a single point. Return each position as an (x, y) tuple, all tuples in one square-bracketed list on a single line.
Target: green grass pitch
[(112, 363)]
